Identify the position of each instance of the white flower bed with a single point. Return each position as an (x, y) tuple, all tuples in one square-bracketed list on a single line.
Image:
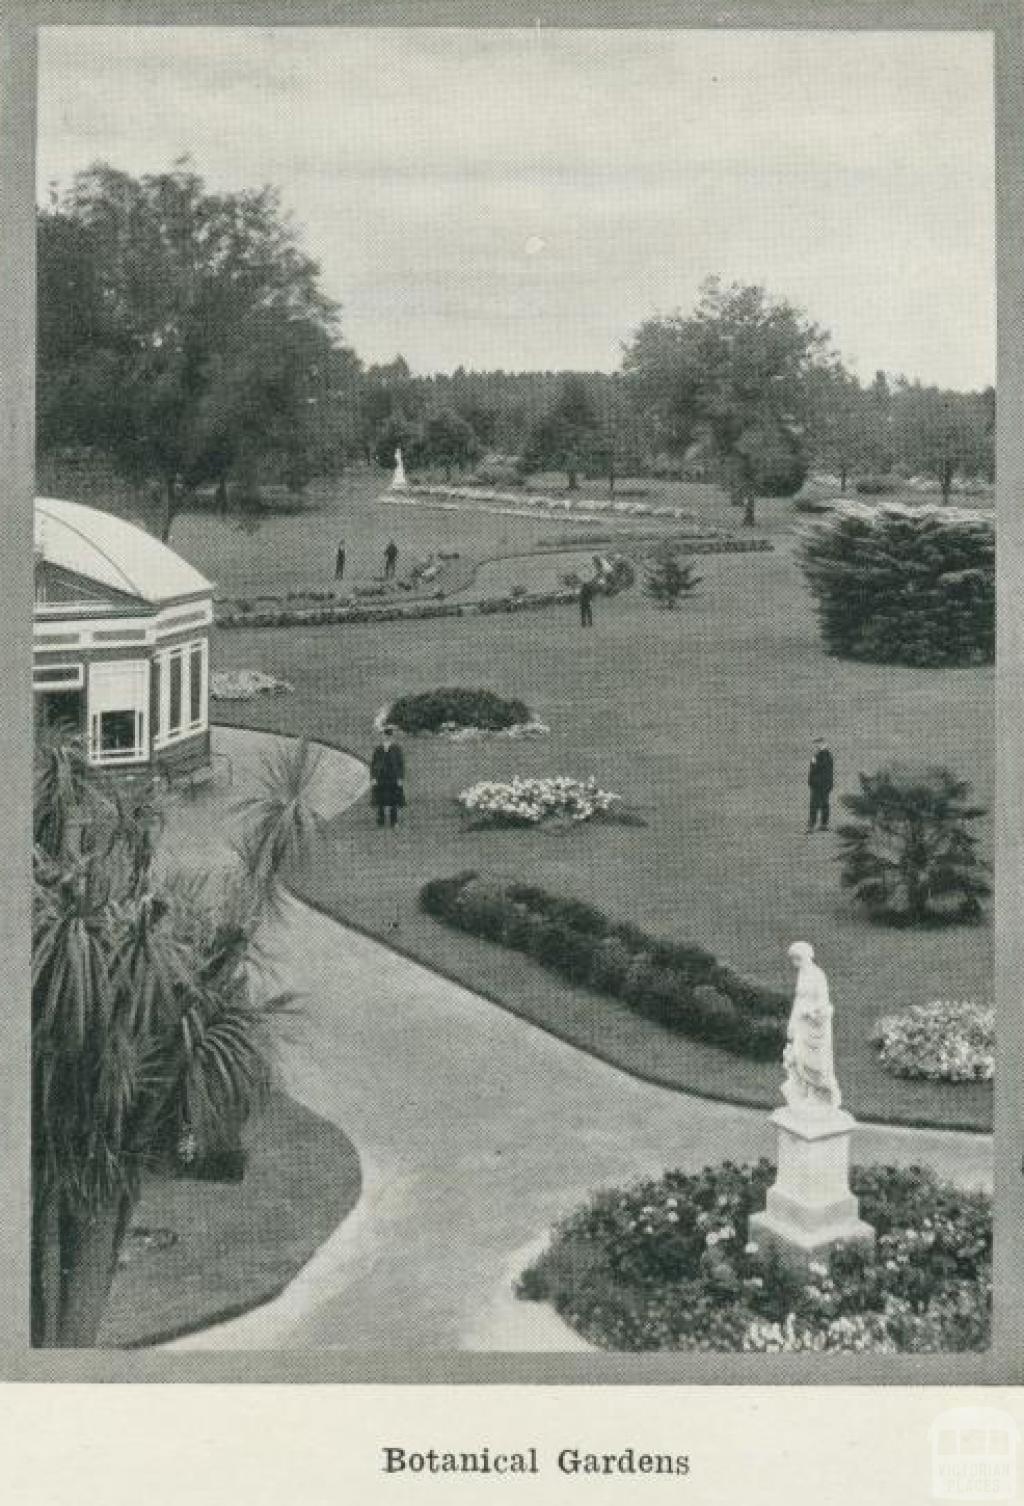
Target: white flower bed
[(527, 802), (946, 1041), (243, 684)]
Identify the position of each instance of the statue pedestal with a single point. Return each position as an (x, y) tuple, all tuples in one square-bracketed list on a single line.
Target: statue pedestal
[(810, 1207)]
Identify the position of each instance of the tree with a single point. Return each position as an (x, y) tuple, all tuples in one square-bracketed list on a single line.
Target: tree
[(909, 855), (197, 350), (733, 374), (667, 578), (943, 434), (148, 1046), (448, 440), (566, 437)]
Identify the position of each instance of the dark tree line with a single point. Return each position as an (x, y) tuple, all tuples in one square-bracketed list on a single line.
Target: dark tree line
[(184, 337)]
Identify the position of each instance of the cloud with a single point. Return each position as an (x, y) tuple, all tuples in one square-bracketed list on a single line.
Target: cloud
[(851, 171)]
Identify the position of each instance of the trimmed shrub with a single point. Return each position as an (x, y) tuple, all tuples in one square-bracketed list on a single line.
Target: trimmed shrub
[(429, 710), (904, 585), (609, 964), (678, 985)]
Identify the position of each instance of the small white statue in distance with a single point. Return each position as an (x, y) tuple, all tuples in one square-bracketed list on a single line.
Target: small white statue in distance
[(398, 480), (810, 1086)]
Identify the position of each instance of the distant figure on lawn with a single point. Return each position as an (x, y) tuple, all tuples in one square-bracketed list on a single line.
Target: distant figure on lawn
[(339, 562), (387, 778), (820, 779), (588, 590), (390, 560)]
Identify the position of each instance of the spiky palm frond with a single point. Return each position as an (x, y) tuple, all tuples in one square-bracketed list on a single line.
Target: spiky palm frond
[(282, 825)]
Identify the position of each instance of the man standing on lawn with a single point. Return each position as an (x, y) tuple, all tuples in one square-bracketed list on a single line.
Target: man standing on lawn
[(587, 592), (390, 560), (387, 778), (820, 779), (339, 563)]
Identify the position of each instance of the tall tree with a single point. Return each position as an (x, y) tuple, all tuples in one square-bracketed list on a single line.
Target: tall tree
[(943, 434), (732, 373), (448, 441), (204, 329), (566, 437)]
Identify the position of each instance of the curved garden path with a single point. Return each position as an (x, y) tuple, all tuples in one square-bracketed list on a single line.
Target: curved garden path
[(475, 1129)]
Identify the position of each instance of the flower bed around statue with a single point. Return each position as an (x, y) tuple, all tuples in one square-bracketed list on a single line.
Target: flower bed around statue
[(946, 1041), (528, 802), (682, 987), (669, 1264)]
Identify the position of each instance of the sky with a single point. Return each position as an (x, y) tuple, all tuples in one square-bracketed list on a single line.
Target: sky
[(525, 199)]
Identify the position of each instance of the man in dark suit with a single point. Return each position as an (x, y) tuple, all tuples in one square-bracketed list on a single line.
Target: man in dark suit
[(339, 562), (588, 590), (387, 778), (820, 779)]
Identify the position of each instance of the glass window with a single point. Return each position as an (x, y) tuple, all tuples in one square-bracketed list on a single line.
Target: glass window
[(154, 699), (195, 684), (118, 696), (174, 674), (118, 731)]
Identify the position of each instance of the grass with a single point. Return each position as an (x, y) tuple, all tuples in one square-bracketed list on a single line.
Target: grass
[(702, 720), (238, 1245)]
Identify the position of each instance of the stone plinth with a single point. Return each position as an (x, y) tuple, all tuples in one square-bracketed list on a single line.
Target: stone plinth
[(810, 1208)]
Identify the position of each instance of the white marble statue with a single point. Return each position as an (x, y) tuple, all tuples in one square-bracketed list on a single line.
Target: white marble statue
[(398, 480), (810, 1086)]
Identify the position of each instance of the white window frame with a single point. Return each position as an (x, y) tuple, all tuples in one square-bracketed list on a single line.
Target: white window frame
[(121, 685), (62, 679), (166, 737)]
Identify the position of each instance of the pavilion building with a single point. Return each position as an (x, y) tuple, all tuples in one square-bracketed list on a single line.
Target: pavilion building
[(121, 642)]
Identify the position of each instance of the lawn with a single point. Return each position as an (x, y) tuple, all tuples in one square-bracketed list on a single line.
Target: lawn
[(702, 719), (237, 1244)]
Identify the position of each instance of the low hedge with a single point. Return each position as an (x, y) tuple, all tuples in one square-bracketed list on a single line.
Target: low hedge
[(677, 984), (429, 710)]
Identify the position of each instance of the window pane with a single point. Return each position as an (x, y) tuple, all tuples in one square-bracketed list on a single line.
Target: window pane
[(196, 685), (155, 696), (117, 731), (174, 715)]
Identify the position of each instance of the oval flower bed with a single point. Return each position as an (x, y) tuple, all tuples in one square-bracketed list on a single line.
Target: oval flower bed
[(528, 802), (456, 706), (946, 1041), (669, 1265)]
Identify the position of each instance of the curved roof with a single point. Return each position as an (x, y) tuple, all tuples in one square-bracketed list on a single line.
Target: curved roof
[(119, 555)]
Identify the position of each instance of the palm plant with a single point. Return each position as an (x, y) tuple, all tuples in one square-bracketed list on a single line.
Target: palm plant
[(910, 856), (282, 826), (148, 1044)]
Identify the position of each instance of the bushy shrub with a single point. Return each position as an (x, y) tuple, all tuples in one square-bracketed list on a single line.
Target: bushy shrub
[(874, 486), (909, 855), (669, 1264), (904, 585), (429, 710), (678, 985)]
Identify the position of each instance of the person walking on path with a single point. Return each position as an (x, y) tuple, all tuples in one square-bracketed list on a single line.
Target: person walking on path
[(339, 563), (387, 778), (390, 560), (588, 590), (820, 779)]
